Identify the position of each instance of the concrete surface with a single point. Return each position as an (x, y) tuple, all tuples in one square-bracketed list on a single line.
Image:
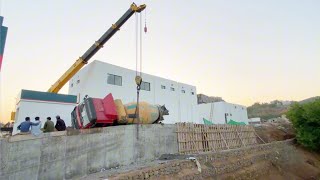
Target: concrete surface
[(244, 163), (77, 153)]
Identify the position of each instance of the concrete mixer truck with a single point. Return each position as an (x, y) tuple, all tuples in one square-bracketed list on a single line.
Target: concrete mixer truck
[(96, 112)]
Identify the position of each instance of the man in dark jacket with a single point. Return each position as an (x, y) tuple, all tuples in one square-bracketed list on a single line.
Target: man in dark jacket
[(60, 125)]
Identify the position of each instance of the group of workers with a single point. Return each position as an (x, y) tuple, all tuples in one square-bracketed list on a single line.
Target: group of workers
[(36, 130)]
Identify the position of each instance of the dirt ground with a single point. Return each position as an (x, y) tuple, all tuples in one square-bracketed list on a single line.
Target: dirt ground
[(269, 132), (295, 162), (299, 164), (307, 166)]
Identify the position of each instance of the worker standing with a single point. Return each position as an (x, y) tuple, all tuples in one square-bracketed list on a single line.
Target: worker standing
[(48, 125), (24, 127), (36, 129), (60, 125)]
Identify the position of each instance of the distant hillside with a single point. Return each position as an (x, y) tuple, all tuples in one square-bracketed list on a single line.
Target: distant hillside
[(309, 100), (208, 99), (273, 109), (267, 110)]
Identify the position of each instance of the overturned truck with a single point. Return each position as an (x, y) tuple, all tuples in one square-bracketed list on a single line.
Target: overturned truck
[(96, 112)]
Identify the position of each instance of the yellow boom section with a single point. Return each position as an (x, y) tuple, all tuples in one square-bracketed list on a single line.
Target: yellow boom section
[(55, 88), (95, 48)]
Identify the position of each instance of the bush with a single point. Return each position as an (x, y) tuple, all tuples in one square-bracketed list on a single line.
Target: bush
[(306, 121)]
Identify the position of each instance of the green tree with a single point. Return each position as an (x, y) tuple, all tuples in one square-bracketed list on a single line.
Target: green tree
[(306, 121)]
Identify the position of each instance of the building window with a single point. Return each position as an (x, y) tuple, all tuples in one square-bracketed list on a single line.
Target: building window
[(183, 91), (192, 93), (163, 87), (114, 80), (145, 86), (78, 81), (172, 88)]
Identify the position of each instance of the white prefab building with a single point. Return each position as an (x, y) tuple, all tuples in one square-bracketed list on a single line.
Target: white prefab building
[(43, 104), (222, 113), (98, 79), (255, 120)]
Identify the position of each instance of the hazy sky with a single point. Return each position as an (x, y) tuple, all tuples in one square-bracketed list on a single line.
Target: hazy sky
[(245, 51)]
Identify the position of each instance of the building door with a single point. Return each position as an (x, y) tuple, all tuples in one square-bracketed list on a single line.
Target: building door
[(226, 118)]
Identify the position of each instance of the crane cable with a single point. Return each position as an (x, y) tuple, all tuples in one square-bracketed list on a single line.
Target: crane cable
[(138, 78), (140, 44), (136, 34)]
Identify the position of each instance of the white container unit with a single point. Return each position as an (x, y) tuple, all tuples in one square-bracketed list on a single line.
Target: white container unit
[(43, 104), (222, 113), (98, 79)]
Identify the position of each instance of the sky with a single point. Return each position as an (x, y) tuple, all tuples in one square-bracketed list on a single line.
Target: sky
[(244, 51)]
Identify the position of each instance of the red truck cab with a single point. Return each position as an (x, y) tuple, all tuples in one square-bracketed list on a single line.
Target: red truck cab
[(93, 112)]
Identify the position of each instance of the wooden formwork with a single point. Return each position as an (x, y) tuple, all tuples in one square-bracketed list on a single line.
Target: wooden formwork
[(196, 138)]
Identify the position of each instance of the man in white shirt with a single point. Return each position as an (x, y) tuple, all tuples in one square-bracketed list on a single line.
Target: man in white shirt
[(36, 130)]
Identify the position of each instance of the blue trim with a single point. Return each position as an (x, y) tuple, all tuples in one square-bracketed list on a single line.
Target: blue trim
[(3, 33), (1, 20), (46, 96)]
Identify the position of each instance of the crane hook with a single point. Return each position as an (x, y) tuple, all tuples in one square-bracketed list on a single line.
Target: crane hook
[(145, 21), (145, 28)]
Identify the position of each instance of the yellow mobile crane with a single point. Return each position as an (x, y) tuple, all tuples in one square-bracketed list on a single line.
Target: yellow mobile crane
[(94, 48), (92, 51)]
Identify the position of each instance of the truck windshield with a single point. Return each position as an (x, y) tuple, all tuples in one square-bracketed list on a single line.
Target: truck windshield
[(84, 115)]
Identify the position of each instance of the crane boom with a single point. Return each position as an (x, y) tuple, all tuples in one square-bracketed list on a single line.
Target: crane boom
[(94, 48)]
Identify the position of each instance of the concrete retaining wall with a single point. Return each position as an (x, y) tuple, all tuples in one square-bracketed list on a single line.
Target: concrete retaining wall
[(254, 161), (66, 155)]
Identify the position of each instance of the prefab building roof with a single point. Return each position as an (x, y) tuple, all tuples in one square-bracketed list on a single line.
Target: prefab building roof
[(46, 96)]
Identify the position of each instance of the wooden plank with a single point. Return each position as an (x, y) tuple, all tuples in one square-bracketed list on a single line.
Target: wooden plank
[(222, 134), (196, 138)]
